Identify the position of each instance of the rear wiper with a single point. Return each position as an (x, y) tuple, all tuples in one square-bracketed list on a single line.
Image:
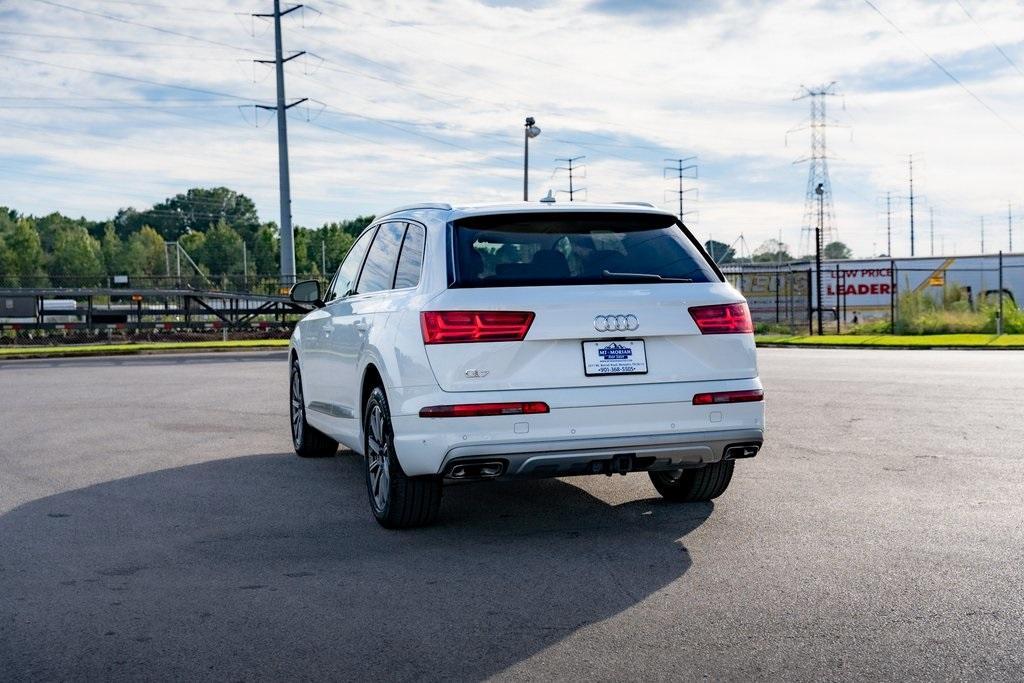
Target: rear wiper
[(643, 276)]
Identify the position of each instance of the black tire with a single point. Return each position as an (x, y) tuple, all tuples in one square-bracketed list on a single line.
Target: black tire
[(691, 486), (309, 442), (397, 501)]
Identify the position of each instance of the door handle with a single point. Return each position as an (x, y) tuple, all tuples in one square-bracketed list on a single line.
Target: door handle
[(327, 328), (360, 325)]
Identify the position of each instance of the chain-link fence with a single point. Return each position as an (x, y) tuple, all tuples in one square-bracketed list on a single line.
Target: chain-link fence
[(779, 300), (935, 295)]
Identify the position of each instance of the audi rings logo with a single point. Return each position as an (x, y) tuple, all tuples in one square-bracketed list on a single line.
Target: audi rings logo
[(616, 323)]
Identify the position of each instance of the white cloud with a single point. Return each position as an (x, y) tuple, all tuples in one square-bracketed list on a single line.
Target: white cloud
[(432, 95)]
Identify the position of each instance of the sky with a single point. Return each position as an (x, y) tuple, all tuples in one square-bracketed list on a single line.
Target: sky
[(114, 103)]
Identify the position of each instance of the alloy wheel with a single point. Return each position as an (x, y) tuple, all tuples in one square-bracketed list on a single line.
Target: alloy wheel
[(297, 409), (378, 460)]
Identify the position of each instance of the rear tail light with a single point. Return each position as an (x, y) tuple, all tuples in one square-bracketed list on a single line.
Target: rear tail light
[(723, 319), (452, 327), (742, 396), (483, 409)]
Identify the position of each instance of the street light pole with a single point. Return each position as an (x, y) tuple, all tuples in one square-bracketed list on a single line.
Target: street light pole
[(820, 191), (530, 131)]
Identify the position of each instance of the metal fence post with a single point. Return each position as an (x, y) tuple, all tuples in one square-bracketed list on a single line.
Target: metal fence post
[(892, 296), (810, 304), (777, 295), (999, 320)]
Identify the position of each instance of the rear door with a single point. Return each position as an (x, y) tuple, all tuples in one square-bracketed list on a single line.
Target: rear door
[(613, 296), (351, 320)]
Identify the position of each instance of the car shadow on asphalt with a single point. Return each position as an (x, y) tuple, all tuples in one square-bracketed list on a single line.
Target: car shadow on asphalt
[(271, 567)]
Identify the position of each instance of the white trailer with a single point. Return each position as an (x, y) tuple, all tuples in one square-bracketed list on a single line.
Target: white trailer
[(871, 287)]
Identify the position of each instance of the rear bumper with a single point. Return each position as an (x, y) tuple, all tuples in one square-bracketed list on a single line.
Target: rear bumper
[(673, 433), (569, 457)]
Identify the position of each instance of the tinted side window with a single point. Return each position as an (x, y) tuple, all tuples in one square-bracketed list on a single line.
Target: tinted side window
[(411, 259), (349, 269), (380, 262)]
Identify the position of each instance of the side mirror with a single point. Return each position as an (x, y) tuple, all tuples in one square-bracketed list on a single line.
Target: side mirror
[(306, 292)]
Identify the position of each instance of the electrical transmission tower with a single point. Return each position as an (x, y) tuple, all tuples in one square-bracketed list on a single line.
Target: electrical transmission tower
[(679, 172), (287, 232), (817, 172), (572, 171)]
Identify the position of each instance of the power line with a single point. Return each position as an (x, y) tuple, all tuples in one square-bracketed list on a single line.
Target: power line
[(991, 42), (113, 17), (93, 39), (943, 69), (133, 79)]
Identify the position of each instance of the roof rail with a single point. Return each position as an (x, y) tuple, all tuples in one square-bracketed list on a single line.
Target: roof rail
[(647, 204), (443, 206)]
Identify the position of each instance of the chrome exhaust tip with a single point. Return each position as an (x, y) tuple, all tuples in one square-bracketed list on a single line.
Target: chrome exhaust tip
[(476, 470), (742, 451)]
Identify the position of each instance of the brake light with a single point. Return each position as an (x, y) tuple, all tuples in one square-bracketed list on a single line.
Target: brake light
[(483, 409), (742, 396), (723, 319), (451, 327)]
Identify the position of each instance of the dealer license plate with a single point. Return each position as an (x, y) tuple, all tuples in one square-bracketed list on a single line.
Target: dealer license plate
[(621, 357)]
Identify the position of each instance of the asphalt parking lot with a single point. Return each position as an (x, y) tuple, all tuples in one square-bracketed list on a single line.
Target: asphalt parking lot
[(154, 524)]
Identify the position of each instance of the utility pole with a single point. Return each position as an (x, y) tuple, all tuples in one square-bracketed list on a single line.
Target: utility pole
[(817, 176), (818, 238), (287, 233), (680, 171), (982, 234), (911, 204), (572, 171), (888, 224), (931, 228)]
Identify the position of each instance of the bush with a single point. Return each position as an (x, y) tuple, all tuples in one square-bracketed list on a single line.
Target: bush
[(774, 328), (1013, 318)]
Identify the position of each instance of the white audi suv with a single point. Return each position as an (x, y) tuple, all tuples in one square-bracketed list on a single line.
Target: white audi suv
[(488, 342)]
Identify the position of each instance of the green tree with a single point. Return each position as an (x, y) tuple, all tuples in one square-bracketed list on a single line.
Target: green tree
[(837, 250), (337, 240), (77, 259), (721, 252), (772, 251), (6, 264), (307, 251), (115, 253), (194, 211), (355, 226), (50, 229), (29, 259), (222, 250), (146, 253), (265, 254)]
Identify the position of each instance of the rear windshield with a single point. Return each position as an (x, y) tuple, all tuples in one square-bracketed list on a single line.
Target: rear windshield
[(575, 249)]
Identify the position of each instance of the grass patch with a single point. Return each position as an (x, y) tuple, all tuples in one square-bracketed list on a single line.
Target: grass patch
[(141, 347), (900, 341)]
